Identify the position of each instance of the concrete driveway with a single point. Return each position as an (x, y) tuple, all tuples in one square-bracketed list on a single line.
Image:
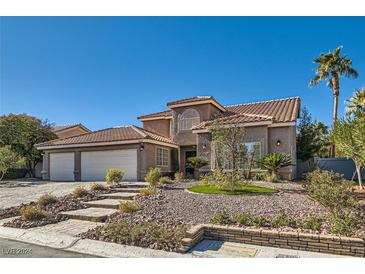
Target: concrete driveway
[(24, 192)]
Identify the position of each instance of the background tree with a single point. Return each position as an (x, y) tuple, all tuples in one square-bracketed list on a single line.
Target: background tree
[(312, 138), (8, 159), (349, 135), (356, 104), (330, 67), (21, 132)]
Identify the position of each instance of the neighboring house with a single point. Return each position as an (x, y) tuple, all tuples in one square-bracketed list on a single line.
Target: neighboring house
[(169, 137), (65, 131)]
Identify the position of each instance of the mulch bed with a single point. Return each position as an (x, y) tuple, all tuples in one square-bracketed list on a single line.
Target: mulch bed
[(64, 203)]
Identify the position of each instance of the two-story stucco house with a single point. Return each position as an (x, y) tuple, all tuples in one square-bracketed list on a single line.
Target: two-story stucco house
[(169, 137)]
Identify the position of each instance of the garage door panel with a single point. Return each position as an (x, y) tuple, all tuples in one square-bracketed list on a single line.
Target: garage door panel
[(61, 166), (95, 163)]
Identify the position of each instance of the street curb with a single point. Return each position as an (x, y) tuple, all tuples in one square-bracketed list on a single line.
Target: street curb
[(84, 246)]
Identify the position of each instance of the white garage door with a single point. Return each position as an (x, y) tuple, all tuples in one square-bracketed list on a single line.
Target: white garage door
[(61, 166), (95, 163)]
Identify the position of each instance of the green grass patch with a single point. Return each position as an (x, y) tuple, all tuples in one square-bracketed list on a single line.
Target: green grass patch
[(244, 189)]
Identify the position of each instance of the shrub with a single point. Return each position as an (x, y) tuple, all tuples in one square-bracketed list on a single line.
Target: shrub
[(31, 213), (165, 180), (222, 217), (114, 176), (195, 163), (345, 224), (152, 235), (313, 223), (271, 178), (331, 191), (80, 191), (206, 180), (153, 176), (280, 220), (260, 176), (274, 162), (97, 187), (145, 191), (179, 176), (260, 221), (243, 219), (128, 206), (46, 199)]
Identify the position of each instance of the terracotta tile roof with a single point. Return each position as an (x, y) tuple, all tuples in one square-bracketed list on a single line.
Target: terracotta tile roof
[(190, 100), (114, 134), (281, 110), (277, 111), (57, 128), (163, 114)]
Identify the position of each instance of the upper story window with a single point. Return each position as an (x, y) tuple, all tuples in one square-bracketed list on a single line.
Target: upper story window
[(188, 119)]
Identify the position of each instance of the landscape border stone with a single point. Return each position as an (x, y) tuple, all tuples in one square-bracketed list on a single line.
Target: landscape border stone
[(281, 239)]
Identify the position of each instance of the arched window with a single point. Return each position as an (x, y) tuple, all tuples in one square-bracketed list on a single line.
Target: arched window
[(188, 119)]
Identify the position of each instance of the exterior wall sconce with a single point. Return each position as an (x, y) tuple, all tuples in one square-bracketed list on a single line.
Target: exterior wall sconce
[(278, 143), (141, 148), (204, 146)]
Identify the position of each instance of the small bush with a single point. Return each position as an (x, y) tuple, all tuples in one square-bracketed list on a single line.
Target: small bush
[(272, 178), (153, 176), (260, 176), (179, 176), (145, 191), (165, 180), (344, 224), (97, 187), (243, 219), (32, 213), (46, 199), (80, 191), (206, 180), (313, 223), (261, 221), (280, 220), (128, 206), (222, 218), (114, 176)]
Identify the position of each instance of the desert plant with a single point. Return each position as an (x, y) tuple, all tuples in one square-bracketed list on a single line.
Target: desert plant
[(273, 162), (260, 176), (114, 176), (196, 163), (280, 220), (345, 224), (222, 217), (128, 206), (153, 176), (46, 199), (97, 187), (179, 176), (165, 180), (314, 223), (145, 191), (331, 191), (243, 219), (80, 191), (357, 102), (331, 66), (206, 179), (260, 221), (31, 213)]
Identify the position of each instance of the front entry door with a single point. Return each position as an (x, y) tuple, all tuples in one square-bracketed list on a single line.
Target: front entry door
[(188, 154)]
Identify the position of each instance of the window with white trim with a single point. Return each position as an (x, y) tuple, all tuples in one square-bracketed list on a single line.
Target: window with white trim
[(162, 156), (188, 119)]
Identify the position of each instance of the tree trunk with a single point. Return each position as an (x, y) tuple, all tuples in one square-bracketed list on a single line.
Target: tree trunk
[(250, 164), (358, 171), (30, 169), (336, 93)]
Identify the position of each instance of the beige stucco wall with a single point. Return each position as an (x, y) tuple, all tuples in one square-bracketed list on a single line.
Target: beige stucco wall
[(161, 126)]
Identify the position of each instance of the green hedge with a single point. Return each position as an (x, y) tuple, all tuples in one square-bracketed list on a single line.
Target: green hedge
[(15, 173)]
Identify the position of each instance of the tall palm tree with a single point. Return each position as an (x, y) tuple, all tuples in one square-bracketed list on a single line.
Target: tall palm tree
[(357, 102), (331, 66)]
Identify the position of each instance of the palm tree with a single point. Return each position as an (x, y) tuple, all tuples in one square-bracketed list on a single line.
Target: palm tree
[(331, 66), (357, 102), (273, 162)]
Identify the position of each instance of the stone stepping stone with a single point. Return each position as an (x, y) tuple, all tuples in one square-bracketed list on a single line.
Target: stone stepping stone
[(105, 203), (129, 189), (133, 185), (119, 196), (90, 214)]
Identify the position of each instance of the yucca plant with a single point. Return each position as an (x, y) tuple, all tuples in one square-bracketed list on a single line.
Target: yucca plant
[(273, 162)]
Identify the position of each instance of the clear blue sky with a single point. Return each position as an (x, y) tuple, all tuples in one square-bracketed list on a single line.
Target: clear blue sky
[(106, 71)]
